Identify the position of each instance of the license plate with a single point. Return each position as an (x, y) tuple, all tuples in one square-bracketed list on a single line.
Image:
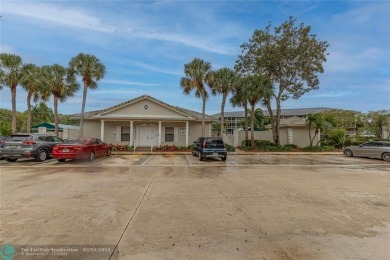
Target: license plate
[(65, 150), (215, 154)]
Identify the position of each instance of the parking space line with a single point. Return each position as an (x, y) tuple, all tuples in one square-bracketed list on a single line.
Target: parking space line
[(188, 160), (147, 160), (135, 212)]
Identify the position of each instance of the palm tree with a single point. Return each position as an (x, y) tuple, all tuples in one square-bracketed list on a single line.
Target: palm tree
[(223, 83), (240, 99), (91, 70), (198, 74), (61, 83), (258, 88), (10, 74), (32, 82)]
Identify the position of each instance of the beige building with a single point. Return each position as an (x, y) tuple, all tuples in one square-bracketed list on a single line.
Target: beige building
[(293, 130), (145, 122)]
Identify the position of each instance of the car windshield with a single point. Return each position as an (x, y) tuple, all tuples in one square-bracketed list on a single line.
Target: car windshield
[(214, 141), (76, 141), (18, 138)]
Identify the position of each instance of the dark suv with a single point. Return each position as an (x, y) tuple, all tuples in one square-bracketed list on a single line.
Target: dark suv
[(206, 147), (38, 146)]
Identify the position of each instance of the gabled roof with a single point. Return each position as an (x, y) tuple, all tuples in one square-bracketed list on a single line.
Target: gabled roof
[(52, 126), (183, 111), (284, 112)]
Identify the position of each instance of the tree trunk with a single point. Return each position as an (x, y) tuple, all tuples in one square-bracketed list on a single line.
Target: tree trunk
[(311, 141), (203, 116), (253, 125), (277, 123), (13, 94), (246, 120), (271, 117), (29, 95), (56, 115), (222, 113), (83, 109)]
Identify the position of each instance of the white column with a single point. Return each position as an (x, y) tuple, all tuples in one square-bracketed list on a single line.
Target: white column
[(131, 133), (102, 130), (187, 131), (159, 133), (210, 130), (289, 135)]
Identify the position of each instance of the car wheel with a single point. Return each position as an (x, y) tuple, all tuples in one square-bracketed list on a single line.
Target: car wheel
[(224, 158), (348, 153), (11, 159), (200, 156), (41, 156), (91, 156), (61, 160), (386, 157)]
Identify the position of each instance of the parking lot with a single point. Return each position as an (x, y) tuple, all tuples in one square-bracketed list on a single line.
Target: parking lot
[(177, 207)]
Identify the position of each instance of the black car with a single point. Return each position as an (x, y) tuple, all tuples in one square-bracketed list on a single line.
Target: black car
[(38, 146), (206, 147)]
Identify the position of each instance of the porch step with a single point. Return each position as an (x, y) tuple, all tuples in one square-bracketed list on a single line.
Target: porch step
[(142, 149)]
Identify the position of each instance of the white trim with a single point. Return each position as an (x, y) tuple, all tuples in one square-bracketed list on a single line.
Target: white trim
[(131, 133), (118, 133), (159, 132), (162, 134), (102, 130), (187, 131), (176, 134)]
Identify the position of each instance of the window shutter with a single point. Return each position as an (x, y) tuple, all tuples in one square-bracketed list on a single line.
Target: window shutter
[(176, 134), (118, 133), (162, 134)]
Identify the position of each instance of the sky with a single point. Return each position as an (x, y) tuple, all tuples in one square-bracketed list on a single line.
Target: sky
[(145, 44)]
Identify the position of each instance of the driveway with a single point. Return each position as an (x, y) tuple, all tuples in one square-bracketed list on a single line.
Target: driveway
[(176, 207)]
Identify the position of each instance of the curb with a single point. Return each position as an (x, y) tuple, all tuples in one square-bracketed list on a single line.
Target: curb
[(229, 153)]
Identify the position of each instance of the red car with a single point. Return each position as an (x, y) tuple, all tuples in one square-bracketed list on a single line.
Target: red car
[(81, 148)]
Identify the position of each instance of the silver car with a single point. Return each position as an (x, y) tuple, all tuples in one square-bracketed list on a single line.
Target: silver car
[(38, 146), (378, 149)]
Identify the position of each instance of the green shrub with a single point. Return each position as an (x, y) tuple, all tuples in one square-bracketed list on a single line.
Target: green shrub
[(318, 148), (292, 146), (230, 148)]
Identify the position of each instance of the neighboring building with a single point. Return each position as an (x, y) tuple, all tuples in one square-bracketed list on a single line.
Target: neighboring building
[(233, 118), (144, 122), (64, 131)]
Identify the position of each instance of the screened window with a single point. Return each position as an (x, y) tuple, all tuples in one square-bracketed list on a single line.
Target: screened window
[(125, 133), (169, 134)]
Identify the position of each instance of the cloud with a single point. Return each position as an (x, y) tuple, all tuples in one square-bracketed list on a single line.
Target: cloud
[(135, 28), (56, 14), (131, 83), (336, 94), (157, 69)]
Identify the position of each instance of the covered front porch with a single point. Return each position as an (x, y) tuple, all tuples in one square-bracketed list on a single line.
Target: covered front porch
[(149, 133)]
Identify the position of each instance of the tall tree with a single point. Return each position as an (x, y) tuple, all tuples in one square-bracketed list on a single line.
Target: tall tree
[(290, 56), (61, 83), (41, 113), (91, 70), (223, 84), (258, 88), (10, 75), (240, 99), (32, 82), (377, 122), (198, 75)]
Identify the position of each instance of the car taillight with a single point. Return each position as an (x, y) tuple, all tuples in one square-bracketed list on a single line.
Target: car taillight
[(2, 142), (29, 142)]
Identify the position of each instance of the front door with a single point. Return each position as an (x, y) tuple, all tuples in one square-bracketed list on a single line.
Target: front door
[(148, 136)]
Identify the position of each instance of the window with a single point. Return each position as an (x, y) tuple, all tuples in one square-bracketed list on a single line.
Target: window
[(56, 139), (125, 133), (182, 131), (169, 134)]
